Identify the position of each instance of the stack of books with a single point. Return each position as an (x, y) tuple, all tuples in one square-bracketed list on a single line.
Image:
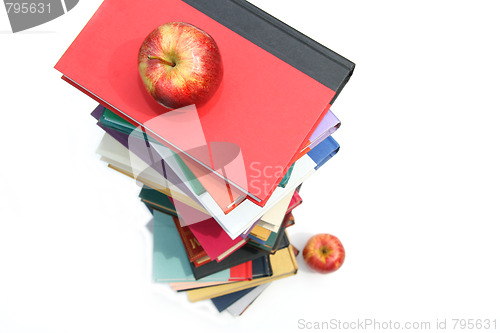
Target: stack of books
[(221, 179)]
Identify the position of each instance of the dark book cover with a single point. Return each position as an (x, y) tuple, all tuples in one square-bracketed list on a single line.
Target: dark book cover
[(241, 255), (281, 40), (225, 301)]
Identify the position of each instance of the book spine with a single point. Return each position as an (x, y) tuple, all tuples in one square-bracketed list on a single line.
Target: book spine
[(280, 39)]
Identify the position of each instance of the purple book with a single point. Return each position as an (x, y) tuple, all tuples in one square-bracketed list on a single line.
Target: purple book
[(329, 124)]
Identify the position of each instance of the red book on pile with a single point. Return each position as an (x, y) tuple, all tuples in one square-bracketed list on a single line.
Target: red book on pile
[(277, 85)]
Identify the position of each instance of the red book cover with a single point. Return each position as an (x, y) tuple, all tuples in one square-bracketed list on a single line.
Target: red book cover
[(241, 272), (296, 201), (263, 101)]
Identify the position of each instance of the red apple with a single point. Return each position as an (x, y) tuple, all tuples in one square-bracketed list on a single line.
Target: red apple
[(324, 253), (180, 65)]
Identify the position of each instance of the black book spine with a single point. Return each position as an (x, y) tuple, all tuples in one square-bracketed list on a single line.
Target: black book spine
[(279, 39)]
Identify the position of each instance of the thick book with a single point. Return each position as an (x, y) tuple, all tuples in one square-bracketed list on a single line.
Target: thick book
[(152, 160), (113, 121), (242, 255), (324, 151), (225, 301), (283, 263), (295, 74), (214, 240), (258, 237), (296, 201), (148, 161), (327, 127)]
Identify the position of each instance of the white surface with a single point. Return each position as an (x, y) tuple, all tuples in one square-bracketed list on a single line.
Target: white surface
[(413, 193)]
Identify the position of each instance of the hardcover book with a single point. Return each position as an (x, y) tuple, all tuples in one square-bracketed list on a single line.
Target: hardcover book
[(296, 74), (275, 238), (195, 252), (245, 214), (240, 219), (241, 305), (219, 189), (224, 301), (242, 255), (170, 261), (283, 264), (260, 267)]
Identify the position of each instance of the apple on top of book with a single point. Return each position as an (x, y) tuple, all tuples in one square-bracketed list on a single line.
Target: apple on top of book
[(180, 65)]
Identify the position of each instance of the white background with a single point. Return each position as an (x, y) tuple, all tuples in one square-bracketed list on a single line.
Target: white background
[(414, 193)]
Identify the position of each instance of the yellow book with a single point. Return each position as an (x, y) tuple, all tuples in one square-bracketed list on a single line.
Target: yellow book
[(260, 232), (283, 264)]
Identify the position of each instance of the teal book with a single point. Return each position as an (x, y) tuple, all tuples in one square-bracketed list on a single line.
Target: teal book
[(170, 261), (285, 179)]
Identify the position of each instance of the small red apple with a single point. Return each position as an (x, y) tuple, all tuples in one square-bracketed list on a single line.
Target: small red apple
[(324, 253), (180, 65)]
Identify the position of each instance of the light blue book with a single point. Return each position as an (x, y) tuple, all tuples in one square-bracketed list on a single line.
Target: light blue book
[(170, 261)]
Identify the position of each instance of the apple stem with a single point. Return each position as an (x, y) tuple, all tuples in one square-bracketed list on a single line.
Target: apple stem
[(162, 60)]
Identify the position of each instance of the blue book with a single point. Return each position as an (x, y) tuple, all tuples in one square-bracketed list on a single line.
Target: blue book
[(324, 151)]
